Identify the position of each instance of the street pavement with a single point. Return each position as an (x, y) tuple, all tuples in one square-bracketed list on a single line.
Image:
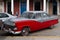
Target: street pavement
[(45, 34), (30, 38)]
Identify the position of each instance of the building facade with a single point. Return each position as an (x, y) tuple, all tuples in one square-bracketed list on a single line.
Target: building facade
[(53, 7), (19, 6)]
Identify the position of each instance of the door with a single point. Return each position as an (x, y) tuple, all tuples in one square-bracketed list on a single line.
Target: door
[(54, 7), (45, 20), (37, 24), (9, 7), (37, 6), (23, 6)]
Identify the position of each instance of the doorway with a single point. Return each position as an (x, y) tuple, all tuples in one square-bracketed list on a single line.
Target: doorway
[(23, 6), (54, 7), (37, 6), (9, 7)]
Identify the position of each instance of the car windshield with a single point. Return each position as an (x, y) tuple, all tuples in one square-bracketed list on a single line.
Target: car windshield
[(3, 15), (27, 15)]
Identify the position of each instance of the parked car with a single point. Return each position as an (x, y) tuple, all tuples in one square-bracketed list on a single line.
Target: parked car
[(5, 16), (30, 21)]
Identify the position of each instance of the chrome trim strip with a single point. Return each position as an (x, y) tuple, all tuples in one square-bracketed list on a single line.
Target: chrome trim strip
[(10, 31)]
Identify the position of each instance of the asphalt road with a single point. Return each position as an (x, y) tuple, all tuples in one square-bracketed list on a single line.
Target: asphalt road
[(31, 38)]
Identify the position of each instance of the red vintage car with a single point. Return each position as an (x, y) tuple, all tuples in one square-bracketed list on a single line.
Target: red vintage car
[(30, 21)]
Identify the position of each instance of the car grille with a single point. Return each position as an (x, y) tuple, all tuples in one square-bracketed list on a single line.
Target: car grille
[(8, 26)]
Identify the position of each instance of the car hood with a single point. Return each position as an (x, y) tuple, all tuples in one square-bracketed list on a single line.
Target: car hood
[(18, 19)]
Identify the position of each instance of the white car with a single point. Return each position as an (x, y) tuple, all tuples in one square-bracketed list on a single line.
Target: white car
[(5, 16)]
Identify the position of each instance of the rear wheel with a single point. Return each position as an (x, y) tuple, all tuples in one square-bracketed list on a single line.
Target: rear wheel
[(51, 27), (25, 32)]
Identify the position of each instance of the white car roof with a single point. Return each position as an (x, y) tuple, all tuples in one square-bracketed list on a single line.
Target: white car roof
[(6, 13), (35, 12)]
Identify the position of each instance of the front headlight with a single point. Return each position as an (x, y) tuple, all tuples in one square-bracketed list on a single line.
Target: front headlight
[(15, 29), (12, 23)]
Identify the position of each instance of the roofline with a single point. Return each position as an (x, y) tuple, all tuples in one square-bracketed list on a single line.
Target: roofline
[(35, 11)]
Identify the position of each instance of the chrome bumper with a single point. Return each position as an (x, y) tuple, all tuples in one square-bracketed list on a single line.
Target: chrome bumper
[(10, 31)]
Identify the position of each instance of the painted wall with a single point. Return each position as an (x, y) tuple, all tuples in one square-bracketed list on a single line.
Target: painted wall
[(16, 7), (31, 5), (41, 3), (1, 6), (50, 8), (4, 6)]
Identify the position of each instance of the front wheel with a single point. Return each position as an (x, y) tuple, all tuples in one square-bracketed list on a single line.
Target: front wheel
[(25, 32)]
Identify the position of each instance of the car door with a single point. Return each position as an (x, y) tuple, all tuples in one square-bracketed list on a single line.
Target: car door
[(3, 16), (45, 20), (38, 24)]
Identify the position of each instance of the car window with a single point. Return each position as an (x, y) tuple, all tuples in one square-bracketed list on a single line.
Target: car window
[(2, 15), (37, 15), (44, 14), (27, 15)]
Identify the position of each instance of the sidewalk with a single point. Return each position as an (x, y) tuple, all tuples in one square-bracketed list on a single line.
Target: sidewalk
[(31, 38)]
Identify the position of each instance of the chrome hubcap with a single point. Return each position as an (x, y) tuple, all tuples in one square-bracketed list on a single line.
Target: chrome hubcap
[(25, 32)]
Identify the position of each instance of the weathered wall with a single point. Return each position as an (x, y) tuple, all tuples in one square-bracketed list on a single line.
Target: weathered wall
[(16, 6)]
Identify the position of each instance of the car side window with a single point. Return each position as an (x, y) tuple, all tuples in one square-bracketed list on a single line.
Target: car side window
[(2, 15), (44, 14), (29, 15), (37, 15)]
